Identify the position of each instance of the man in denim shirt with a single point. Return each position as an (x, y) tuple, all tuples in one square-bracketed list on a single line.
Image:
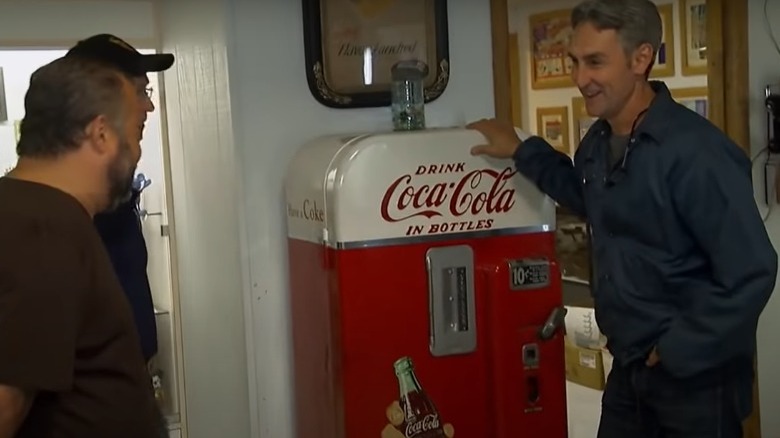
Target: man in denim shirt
[(683, 266)]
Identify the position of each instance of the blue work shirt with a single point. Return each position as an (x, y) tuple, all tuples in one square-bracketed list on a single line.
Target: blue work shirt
[(123, 237), (681, 258)]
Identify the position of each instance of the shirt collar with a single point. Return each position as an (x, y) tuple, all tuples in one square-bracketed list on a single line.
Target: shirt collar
[(657, 118)]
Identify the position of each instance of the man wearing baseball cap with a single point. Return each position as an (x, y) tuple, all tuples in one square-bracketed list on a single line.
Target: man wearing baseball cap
[(112, 49), (120, 228)]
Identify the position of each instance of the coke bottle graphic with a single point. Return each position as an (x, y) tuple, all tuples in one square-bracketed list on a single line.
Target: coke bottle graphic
[(421, 420)]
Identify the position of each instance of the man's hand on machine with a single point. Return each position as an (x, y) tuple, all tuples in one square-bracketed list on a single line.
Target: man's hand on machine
[(501, 137), (395, 415)]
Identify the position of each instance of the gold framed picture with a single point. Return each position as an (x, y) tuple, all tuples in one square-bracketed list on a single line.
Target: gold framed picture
[(552, 124), (693, 32), (582, 120), (550, 63), (694, 98), (664, 59)]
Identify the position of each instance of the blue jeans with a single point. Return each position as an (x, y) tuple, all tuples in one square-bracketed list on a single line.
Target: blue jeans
[(643, 402)]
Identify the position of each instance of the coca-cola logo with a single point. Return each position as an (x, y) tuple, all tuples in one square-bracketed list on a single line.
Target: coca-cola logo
[(426, 424), (476, 192), (308, 210)]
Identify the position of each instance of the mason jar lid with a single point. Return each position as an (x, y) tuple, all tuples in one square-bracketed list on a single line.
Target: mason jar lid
[(411, 69)]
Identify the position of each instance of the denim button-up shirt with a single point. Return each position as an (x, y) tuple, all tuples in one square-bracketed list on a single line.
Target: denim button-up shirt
[(124, 240), (681, 257)]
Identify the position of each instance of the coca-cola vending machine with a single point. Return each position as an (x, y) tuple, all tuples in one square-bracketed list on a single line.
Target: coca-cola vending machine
[(426, 298)]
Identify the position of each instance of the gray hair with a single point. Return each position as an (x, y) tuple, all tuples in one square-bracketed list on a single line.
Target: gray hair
[(63, 98), (636, 22)]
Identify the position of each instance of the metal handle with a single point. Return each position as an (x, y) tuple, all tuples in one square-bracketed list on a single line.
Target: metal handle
[(554, 322), (143, 214)]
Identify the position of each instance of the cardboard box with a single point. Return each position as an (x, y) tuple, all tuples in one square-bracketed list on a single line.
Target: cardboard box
[(584, 366), (582, 329)]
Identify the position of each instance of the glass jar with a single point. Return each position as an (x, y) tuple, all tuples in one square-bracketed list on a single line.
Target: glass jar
[(407, 95)]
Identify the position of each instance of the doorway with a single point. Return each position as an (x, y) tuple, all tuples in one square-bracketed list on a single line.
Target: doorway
[(16, 67)]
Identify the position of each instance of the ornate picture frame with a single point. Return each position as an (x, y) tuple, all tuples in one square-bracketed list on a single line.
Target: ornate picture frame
[(350, 46)]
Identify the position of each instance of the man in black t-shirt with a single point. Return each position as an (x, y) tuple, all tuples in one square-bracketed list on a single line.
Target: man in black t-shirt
[(71, 359)]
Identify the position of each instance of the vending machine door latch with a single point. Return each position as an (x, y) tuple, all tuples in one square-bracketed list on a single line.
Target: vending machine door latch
[(554, 321)]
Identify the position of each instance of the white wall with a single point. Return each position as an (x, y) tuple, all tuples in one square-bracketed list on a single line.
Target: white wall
[(274, 113), (764, 69), (43, 23), (531, 99)]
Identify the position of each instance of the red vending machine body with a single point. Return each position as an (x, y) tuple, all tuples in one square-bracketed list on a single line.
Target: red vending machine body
[(425, 294)]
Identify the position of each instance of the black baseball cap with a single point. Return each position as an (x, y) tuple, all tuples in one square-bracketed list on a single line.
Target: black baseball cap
[(116, 51)]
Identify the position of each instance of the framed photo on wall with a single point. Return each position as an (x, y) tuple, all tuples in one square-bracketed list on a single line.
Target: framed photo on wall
[(582, 120), (664, 59), (550, 64), (694, 98), (351, 45), (552, 124), (693, 32)]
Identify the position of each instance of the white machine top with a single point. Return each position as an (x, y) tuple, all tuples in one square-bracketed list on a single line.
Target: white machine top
[(400, 187)]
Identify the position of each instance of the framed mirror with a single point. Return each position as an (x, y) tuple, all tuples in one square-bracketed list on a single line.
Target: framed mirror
[(351, 45)]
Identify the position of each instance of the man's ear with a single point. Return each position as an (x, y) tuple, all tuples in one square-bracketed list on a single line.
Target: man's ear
[(643, 59), (99, 134)]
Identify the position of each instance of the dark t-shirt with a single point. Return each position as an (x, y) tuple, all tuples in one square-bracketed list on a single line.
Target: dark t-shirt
[(617, 149), (66, 329)]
